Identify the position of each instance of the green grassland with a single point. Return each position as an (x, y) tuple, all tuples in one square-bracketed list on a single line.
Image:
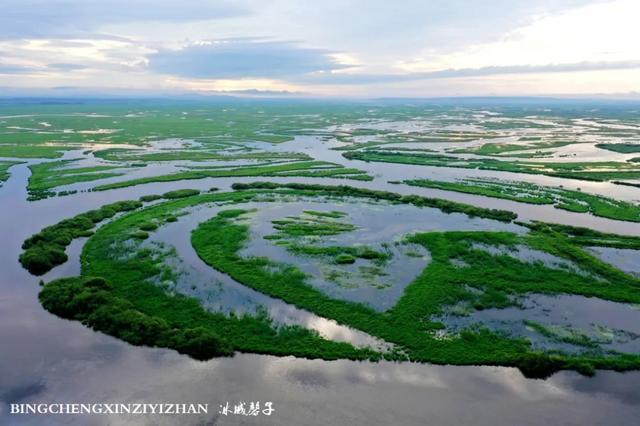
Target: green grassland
[(46, 249), (47, 176), (593, 171), (585, 237), (213, 124), (302, 168), (119, 154), (4, 169), (380, 138), (576, 201), (143, 122), (32, 151), (622, 148), (505, 149)]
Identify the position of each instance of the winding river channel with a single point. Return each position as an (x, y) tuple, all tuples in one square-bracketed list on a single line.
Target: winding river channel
[(46, 359)]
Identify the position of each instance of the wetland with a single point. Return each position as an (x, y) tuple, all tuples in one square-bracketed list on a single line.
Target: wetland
[(329, 248)]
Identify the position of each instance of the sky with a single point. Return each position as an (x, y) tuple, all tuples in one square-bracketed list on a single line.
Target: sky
[(328, 48)]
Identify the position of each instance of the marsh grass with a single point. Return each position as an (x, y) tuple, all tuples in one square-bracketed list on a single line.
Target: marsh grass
[(592, 171), (575, 201), (46, 249), (302, 168), (487, 281)]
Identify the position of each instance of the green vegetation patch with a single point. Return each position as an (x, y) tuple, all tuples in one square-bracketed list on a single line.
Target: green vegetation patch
[(46, 176), (345, 259), (497, 149), (309, 225), (95, 303), (298, 234), (332, 214), (180, 193), (348, 191), (46, 249), (562, 334), (575, 201), (622, 148), (494, 277), (385, 137), (4, 169), (120, 154), (151, 197), (130, 272), (592, 171), (304, 168), (486, 281), (362, 252), (586, 237), (32, 151)]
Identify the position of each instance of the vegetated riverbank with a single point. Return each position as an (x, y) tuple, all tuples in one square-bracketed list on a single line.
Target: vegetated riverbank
[(442, 284), (485, 280), (348, 191), (303, 168), (46, 249), (499, 149), (575, 201), (119, 154), (591, 171), (147, 314), (623, 148), (27, 150), (4, 170), (47, 176)]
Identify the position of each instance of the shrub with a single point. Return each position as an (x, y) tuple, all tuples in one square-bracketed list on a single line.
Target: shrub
[(180, 193), (45, 250), (345, 259), (92, 301), (149, 198), (200, 343), (42, 259), (148, 226)]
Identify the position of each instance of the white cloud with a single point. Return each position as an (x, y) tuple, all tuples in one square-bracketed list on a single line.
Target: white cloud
[(597, 33), (242, 59), (357, 47), (44, 18)]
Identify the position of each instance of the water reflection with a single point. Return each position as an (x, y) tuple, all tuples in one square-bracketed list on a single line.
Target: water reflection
[(375, 224), (46, 359), (572, 322), (627, 260), (219, 292)]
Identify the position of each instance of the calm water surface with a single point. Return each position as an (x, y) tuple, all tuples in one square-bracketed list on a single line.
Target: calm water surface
[(47, 359)]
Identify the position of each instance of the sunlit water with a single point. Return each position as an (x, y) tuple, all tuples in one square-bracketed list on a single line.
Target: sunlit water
[(46, 359)]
